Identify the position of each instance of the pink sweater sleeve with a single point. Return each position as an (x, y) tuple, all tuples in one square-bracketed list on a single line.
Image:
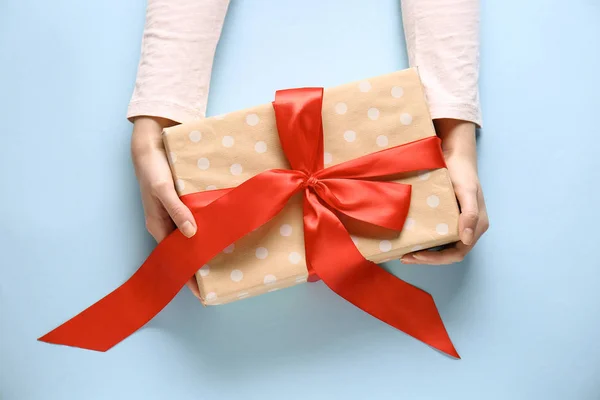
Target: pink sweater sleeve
[(442, 38), (178, 46), (181, 36)]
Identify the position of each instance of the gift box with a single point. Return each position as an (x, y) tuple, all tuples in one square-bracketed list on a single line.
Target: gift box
[(318, 185), (358, 118)]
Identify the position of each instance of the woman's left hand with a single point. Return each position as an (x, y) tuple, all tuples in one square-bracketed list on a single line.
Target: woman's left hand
[(459, 147)]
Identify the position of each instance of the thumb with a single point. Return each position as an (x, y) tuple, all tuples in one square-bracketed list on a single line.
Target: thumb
[(469, 213), (179, 213)]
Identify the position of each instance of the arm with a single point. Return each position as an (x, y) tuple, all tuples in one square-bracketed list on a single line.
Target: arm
[(178, 46), (442, 38)]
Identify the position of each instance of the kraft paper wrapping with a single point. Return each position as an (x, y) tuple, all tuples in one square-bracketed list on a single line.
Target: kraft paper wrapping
[(358, 118)]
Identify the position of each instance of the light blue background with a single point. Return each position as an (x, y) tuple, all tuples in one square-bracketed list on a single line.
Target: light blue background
[(523, 309)]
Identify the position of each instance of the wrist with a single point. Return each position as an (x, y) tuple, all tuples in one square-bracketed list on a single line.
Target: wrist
[(456, 135), (458, 139), (147, 134)]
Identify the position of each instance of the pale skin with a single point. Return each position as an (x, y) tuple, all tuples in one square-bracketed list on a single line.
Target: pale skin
[(460, 152), (164, 211)]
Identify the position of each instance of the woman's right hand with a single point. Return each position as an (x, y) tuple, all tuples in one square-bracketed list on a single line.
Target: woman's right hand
[(163, 210)]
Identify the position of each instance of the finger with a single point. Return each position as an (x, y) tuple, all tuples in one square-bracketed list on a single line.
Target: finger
[(469, 213), (179, 213), (192, 284), (444, 257), (159, 228), (448, 256)]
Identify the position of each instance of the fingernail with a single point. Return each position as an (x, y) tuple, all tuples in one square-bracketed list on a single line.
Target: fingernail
[(188, 229), (419, 256), (468, 236)]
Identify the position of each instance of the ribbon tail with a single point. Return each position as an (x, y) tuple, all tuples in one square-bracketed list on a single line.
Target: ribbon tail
[(172, 263), (367, 285), (133, 304)]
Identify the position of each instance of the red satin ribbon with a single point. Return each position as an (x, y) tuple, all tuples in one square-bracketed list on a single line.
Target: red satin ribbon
[(354, 189)]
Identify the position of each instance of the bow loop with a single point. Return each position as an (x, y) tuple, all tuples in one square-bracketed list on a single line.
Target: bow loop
[(298, 117), (384, 204)]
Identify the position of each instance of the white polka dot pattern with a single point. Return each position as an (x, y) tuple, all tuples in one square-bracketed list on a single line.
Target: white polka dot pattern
[(295, 257), (260, 147), (360, 118), (405, 119), (205, 270), (433, 201), (364, 86), (373, 113), (385, 246), (261, 253), (285, 230), (236, 169), (341, 108), (195, 136), (228, 141), (252, 119), (349, 136), (424, 176), (236, 275), (211, 296), (382, 141), (397, 92), (203, 163), (442, 229)]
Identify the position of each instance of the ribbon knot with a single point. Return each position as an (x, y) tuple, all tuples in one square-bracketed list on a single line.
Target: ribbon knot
[(311, 182), (357, 189)]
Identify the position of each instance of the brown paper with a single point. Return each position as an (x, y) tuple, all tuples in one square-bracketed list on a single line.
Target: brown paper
[(358, 118)]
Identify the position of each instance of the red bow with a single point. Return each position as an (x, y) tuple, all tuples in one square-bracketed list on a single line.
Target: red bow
[(353, 189)]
